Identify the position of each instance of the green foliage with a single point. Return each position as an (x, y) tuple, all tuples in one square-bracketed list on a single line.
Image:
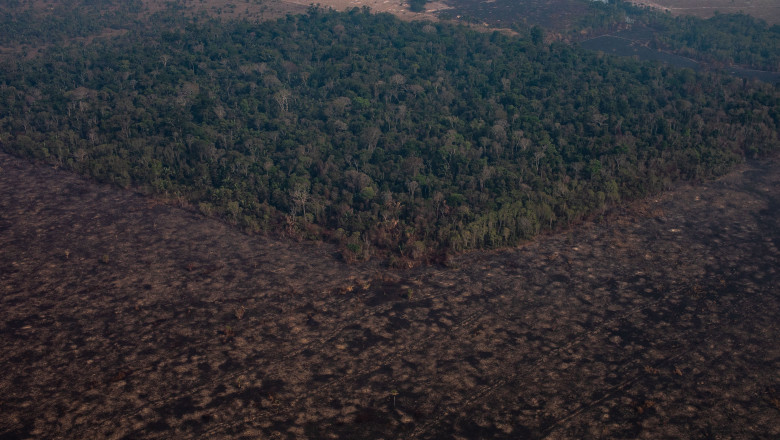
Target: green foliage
[(417, 5), (386, 136), (63, 20), (723, 39)]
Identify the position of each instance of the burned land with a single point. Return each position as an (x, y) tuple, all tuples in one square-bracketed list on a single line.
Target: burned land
[(767, 10), (128, 318), (129, 315), (551, 14)]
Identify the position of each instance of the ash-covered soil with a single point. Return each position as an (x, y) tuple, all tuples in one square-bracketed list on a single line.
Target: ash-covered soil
[(123, 318), (556, 15)]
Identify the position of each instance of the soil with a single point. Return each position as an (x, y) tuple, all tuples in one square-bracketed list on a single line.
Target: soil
[(127, 318)]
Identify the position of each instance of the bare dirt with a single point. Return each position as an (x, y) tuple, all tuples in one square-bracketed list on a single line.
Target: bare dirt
[(125, 318)]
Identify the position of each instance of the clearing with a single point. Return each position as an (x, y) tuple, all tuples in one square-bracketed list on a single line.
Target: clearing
[(123, 317)]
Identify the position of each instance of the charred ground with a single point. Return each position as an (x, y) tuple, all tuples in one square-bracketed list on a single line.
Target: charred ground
[(127, 318)]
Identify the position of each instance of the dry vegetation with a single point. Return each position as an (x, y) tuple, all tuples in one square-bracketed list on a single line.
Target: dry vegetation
[(124, 317)]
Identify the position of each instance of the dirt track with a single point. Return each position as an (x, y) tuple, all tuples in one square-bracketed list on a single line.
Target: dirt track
[(121, 319)]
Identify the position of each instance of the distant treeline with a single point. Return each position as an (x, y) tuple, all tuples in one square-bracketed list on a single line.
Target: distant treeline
[(23, 24), (401, 139), (724, 39)]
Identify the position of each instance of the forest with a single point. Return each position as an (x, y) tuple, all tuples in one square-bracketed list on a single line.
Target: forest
[(724, 39), (400, 140), (68, 19)]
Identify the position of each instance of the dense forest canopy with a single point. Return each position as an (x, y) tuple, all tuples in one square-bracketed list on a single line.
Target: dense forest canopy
[(64, 20), (389, 137)]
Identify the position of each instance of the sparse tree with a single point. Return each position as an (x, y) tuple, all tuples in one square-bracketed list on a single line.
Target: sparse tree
[(484, 176), (412, 186), (370, 138), (538, 155), (300, 196), (282, 98)]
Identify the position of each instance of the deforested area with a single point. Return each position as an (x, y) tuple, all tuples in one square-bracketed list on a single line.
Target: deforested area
[(267, 219), (125, 318)]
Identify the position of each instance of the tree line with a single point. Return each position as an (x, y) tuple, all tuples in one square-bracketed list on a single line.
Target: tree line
[(722, 40), (405, 140)]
